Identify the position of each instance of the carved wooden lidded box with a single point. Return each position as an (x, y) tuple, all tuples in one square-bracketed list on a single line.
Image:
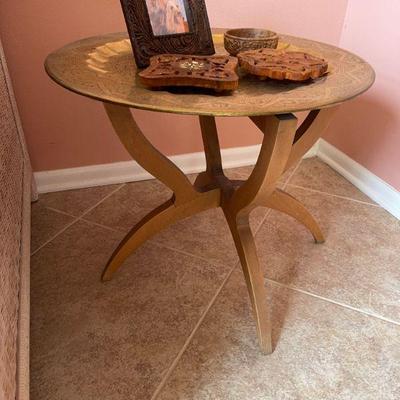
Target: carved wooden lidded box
[(215, 72)]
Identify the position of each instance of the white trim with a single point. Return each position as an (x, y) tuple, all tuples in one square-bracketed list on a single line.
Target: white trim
[(313, 152), (374, 187), (130, 171)]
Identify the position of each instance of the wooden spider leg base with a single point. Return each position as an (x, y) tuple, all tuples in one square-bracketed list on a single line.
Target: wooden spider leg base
[(186, 201), (282, 147)]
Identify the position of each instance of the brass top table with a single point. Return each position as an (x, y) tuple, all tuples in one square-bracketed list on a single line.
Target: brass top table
[(103, 68)]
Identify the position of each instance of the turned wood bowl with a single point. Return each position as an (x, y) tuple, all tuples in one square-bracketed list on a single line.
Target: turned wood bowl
[(243, 39)]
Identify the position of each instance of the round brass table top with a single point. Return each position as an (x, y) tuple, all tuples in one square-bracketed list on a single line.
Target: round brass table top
[(103, 68)]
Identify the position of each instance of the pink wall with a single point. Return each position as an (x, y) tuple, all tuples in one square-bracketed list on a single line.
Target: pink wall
[(368, 129), (65, 130)]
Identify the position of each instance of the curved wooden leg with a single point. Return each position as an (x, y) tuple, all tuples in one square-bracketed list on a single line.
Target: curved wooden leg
[(282, 146), (157, 220), (186, 201), (254, 277), (279, 134), (308, 133), (214, 176), (146, 155), (145, 229), (284, 202)]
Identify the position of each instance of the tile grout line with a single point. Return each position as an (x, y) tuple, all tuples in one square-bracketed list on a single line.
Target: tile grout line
[(118, 230), (334, 195), (326, 299), (74, 221), (54, 236), (100, 201), (103, 226), (215, 263), (87, 220), (292, 174), (174, 363), (61, 212)]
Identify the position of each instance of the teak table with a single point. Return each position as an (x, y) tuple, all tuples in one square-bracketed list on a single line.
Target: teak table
[(103, 68)]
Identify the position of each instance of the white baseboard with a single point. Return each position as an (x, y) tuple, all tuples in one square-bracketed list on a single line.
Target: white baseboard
[(313, 152), (374, 187), (130, 171)]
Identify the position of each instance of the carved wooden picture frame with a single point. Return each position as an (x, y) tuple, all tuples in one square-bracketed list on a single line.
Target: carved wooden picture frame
[(167, 26)]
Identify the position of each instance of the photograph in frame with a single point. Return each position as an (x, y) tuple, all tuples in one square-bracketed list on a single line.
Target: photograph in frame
[(168, 17), (167, 27)]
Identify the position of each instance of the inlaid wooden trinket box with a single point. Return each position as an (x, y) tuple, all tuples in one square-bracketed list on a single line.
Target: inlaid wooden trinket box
[(210, 72), (282, 65)]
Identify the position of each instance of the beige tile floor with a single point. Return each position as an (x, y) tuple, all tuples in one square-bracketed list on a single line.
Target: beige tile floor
[(175, 322)]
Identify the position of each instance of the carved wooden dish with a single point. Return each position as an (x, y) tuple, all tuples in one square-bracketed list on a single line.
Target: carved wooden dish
[(282, 65), (213, 72), (244, 39)]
